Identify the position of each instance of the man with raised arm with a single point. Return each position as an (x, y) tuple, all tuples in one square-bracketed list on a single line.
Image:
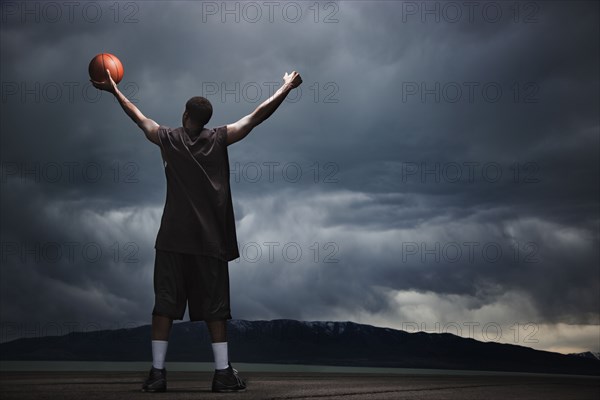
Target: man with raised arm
[(197, 236)]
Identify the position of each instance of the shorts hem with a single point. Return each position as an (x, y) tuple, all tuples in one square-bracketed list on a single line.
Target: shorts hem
[(162, 314)]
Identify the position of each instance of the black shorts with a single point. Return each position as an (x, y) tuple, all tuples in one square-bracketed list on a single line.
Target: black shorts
[(201, 281)]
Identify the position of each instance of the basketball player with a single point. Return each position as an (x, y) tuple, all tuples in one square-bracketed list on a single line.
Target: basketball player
[(197, 236)]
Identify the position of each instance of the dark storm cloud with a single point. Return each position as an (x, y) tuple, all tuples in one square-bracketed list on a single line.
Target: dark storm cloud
[(363, 158)]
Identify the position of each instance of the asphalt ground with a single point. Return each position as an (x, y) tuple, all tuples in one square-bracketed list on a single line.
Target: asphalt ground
[(89, 385)]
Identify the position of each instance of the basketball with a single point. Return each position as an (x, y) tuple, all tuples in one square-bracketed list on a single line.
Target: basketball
[(101, 63)]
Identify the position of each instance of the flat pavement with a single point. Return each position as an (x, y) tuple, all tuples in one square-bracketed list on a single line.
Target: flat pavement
[(88, 385)]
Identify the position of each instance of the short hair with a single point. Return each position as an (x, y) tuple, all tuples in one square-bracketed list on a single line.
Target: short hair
[(199, 110)]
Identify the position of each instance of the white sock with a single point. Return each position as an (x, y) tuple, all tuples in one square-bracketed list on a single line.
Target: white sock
[(159, 351), (220, 353)]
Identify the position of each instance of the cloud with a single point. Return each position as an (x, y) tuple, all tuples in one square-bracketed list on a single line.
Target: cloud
[(360, 199)]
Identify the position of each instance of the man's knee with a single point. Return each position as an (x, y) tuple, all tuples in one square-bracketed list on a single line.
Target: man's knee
[(162, 317)]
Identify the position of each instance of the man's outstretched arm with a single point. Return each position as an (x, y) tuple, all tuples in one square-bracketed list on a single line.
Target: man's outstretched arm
[(238, 130), (148, 126)]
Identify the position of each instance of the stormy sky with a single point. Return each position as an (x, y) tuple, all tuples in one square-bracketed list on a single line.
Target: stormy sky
[(437, 170)]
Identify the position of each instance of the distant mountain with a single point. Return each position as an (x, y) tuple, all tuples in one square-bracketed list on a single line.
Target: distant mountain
[(296, 342), (588, 354)]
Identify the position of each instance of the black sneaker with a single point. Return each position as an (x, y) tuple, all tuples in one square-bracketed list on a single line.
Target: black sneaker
[(156, 381), (227, 380)]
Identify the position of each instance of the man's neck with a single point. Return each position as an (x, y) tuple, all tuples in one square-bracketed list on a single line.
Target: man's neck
[(193, 131)]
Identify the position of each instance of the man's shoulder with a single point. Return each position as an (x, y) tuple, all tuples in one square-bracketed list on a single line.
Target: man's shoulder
[(219, 133), (170, 131), (217, 129), (165, 129)]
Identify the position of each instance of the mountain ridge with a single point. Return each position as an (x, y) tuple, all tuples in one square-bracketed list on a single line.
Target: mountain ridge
[(285, 341)]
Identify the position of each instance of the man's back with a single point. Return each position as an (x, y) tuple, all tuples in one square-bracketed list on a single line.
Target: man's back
[(198, 217)]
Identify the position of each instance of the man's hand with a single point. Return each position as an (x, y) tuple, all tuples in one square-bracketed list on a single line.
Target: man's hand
[(238, 130), (294, 79), (108, 85)]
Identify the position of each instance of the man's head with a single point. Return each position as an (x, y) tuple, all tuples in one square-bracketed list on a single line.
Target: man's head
[(198, 111)]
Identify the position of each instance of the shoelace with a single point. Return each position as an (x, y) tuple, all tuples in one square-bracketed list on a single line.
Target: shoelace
[(237, 378)]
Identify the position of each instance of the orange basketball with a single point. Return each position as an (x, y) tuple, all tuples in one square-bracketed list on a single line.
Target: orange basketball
[(101, 63)]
